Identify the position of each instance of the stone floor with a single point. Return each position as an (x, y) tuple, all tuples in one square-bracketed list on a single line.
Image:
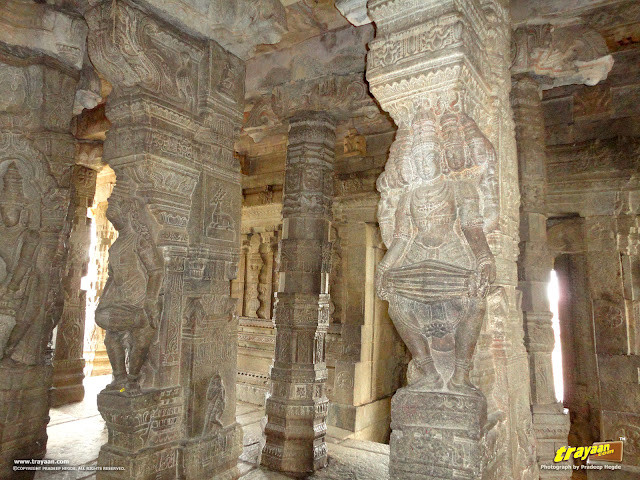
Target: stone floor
[(76, 432)]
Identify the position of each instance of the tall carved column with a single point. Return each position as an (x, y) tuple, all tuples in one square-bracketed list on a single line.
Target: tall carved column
[(37, 89), (297, 408), (68, 365), (537, 64), (166, 308), (449, 217), (550, 423)]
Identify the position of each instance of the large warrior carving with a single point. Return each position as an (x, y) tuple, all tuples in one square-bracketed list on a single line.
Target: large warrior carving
[(130, 306), (438, 197), (21, 295)]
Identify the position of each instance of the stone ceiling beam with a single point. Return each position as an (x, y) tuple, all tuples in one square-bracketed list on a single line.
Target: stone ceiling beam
[(354, 10), (237, 25), (40, 29)]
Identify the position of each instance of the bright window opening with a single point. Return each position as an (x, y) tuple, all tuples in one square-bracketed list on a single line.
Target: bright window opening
[(553, 292)]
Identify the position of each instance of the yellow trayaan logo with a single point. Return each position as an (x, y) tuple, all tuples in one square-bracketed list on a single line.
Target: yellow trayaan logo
[(605, 451)]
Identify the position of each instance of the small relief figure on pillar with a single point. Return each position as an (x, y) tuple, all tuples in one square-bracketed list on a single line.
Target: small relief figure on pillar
[(130, 305), (437, 201), (21, 295), (222, 225), (216, 402)]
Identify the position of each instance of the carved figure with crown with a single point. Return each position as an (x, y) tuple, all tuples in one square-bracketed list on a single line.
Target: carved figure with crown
[(21, 297), (130, 306), (438, 198)]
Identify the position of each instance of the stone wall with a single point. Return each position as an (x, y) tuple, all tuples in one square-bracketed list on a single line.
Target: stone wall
[(593, 156)]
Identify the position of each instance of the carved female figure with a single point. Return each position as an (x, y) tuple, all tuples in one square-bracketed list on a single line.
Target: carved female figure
[(129, 308), (438, 265)]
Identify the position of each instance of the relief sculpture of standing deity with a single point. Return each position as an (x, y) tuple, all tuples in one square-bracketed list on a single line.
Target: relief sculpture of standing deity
[(130, 305), (438, 198)]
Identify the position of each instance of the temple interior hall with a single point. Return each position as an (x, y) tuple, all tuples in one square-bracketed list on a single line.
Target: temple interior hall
[(320, 239)]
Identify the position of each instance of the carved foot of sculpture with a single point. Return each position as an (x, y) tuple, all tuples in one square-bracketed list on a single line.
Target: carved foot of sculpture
[(118, 383), (423, 373), (460, 383)]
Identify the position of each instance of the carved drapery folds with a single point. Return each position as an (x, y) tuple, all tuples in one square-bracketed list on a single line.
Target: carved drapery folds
[(36, 156), (448, 211), (175, 106), (297, 408)]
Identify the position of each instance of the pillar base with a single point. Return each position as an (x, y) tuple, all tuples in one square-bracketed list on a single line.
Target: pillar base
[(214, 456), (295, 437), (144, 434), (436, 435), (24, 415), (67, 382), (551, 426)]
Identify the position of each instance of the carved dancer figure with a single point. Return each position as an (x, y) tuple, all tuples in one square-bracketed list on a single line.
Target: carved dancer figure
[(130, 306), (19, 280), (437, 195), (216, 402)]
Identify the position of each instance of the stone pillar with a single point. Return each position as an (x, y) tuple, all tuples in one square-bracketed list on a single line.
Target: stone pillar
[(68, 364), (297, 408), (253, 267), (550, 423), (265, 276), (441, 69), (37, 89), (105, 236), (176, 104)]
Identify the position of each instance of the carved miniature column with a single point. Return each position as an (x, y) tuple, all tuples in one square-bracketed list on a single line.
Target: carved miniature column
[(37, 89), (550, 423), (264, 277), (171, 331), (253, 268), (297, 407), (68, 364), (448, 215)]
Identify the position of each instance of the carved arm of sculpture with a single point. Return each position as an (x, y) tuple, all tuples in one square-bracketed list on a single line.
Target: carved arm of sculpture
[(402, 236), (471, 223), (152, 262)]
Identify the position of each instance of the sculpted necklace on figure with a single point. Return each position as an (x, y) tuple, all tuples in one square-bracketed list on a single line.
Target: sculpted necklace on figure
[(438, 266)]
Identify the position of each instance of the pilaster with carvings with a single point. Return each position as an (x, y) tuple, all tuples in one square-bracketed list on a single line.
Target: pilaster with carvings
[(432, 66), (175, 108), (36, 161)]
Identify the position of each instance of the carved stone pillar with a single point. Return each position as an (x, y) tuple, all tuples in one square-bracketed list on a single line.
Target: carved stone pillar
[(253, 268), (555, 56), (550, 423), (265, 275), (37, 89), (68, 364), (297, 408), (449, 207), (175, 107)]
